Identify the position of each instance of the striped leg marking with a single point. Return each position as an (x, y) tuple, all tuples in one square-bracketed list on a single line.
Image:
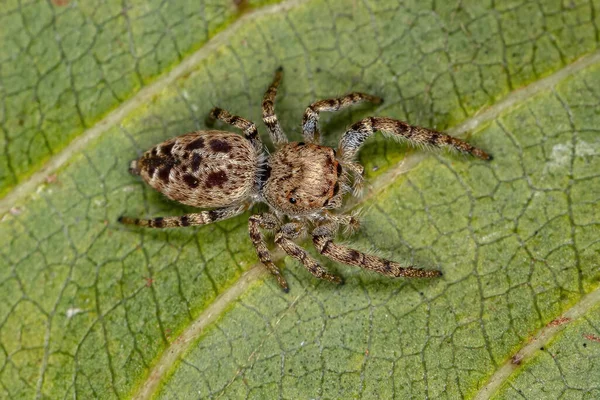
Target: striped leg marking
[(201, 218), (268, 110), (323, 241), (247, 127), (359, 132), (310, 121), (284, 239), (269, 222)]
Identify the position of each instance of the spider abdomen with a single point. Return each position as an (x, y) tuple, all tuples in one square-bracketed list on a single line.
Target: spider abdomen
[(201, 169)]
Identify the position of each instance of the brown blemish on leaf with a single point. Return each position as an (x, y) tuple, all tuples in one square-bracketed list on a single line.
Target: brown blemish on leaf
[(592, 337), (52, 178), (559, 321), (516, 359), (15, 211)]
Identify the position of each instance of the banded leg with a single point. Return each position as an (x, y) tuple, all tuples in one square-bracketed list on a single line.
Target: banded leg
[(269, 222), (247, 127), (310, 130), (284, 239), (358, 172), (359, 132), (268, 110), (201, 218), (323, 241)]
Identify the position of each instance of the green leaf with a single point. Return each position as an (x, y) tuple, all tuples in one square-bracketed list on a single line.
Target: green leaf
[(64, 66), (90, 308)]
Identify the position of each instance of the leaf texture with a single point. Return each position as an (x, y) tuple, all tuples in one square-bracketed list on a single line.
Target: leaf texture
[(89, 308)]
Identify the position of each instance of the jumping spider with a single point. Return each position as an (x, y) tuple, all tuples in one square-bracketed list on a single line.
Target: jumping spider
[(301, 182)]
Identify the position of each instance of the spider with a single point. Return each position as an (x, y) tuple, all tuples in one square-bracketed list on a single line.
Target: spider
[(301, 182)]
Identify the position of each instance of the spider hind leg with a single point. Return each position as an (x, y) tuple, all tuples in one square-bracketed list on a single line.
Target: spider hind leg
[(323, 240), (353, 139)]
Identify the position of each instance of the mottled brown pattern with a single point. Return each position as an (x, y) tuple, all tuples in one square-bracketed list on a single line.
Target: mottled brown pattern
[(195, 174), (216, 179), (219, 146), (303, 183), (303, 177)]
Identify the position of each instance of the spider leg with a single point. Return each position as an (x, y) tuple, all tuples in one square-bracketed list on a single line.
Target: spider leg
[(247, 127), (269, 222), (201, 218), (323, 241), (268, 109), (358, 172), (310, 121), (360, 131), (284, 239)]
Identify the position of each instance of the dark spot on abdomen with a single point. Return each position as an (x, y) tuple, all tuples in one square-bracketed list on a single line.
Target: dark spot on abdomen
[(190, 180), (196, 160), (166, 149), (195, 144), (216, 179), (163, 173), (220, 146)]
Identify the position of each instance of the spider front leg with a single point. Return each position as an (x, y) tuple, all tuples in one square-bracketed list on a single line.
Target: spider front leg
[(268, 109), (310, 121), (359, 132), (247, 127), (323, 241), (268, 222), (201, 218), (284, 239)]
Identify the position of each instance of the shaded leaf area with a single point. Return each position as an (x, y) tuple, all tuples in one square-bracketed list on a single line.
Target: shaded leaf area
[(569, 368), (63, 65), (517, 240), (87, 306)]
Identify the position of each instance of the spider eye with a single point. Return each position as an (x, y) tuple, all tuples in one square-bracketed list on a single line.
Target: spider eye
[(292, 200)]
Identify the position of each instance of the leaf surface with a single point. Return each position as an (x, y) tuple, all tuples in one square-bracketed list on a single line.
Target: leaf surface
[(64, 65), (89, 308)]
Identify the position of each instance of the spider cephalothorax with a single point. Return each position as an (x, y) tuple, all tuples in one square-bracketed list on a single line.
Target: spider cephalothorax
[(300, 181)]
